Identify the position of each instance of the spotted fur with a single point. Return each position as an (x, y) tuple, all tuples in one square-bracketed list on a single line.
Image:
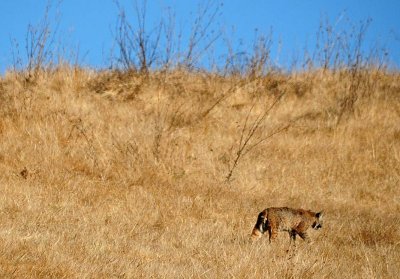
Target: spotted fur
[(294, 221)]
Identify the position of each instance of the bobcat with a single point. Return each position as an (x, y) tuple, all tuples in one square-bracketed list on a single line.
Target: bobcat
[(294, 221)]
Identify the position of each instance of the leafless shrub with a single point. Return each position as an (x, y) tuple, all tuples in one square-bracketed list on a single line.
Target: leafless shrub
[(342, 50), (40, 45), (260, 56), (250, 136), (138, 46), (252, 63), (202, 36), (39, 41), (159, 46)]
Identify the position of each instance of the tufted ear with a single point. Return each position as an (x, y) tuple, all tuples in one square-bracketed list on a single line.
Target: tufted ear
[(319, 214)]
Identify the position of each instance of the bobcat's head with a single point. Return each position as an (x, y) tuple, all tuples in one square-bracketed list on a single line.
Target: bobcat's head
[(318, 221)]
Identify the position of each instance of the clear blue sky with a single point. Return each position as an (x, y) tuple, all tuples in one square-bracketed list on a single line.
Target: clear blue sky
[(89, 23)]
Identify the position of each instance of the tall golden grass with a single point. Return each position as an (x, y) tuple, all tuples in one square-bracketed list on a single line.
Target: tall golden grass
[(108, 174)]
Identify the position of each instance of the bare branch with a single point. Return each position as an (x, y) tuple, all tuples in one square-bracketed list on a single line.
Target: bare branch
[(245, 145)]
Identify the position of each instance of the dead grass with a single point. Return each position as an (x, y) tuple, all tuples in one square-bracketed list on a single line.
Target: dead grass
[(119, 175)]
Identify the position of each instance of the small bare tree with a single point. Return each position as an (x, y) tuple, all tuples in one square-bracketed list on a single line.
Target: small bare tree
[(138, 46)]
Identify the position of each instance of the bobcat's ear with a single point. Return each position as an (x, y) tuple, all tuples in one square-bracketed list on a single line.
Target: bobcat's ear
[(319, 214)]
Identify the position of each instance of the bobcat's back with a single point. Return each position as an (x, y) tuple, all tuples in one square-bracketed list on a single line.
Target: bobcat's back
[(286, 219)]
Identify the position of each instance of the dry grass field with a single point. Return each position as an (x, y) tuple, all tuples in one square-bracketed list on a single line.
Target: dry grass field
[(123, 175)]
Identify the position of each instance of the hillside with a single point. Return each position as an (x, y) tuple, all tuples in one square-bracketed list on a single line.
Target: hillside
[(112, 174)]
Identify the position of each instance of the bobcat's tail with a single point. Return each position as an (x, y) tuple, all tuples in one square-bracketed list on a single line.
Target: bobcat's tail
[(261, 225)]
